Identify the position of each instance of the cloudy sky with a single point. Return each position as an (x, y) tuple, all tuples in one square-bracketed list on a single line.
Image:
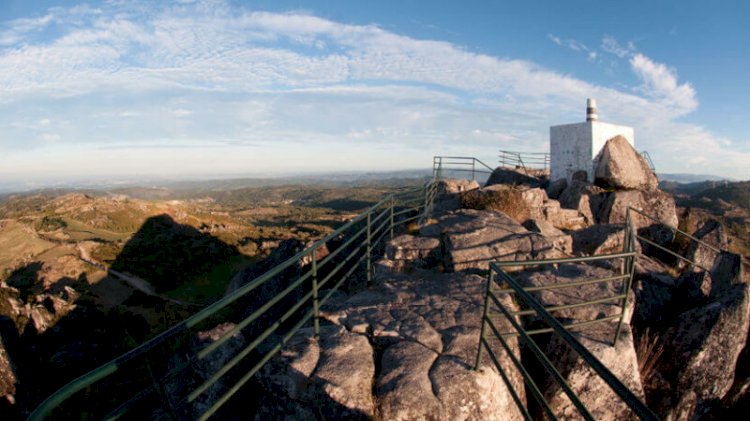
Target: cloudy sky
[(125, 90)]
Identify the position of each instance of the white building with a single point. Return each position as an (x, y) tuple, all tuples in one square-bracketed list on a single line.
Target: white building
[(573, 147)]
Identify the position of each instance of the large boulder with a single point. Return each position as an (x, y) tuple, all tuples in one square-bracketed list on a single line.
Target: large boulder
[(404, 349), (599, 239), (568, 273), (701, 350), (655, 203), (513, 177), (620, 166), (601, 401), (712, 233), (407, 250), (448, 193), (331, 376), (560, 240), (473, 239), (584, 197)]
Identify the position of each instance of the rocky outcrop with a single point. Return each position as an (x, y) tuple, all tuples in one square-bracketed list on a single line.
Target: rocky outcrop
[(584, 197), (402, 350), (599, 239), (8, 378), (474, 238), (332, 375), (560, 240), (655, 203), (601, 401), (448, 193), (622, 167), (701, 352), (407, 250), (567, 273), (513, 177), (711, 232)]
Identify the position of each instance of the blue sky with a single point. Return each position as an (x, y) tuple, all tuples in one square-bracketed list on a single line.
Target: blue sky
[(124, 90)]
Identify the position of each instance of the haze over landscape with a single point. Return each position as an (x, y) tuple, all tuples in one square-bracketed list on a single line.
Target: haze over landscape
[(121, 90)]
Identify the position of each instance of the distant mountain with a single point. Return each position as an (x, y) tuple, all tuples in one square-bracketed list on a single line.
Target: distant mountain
[(690, 178)]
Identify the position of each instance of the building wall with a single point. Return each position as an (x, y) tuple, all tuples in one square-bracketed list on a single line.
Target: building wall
[(574, 147), (602, 132), (570, 149)]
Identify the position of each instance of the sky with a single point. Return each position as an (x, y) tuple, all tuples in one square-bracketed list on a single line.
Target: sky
[(125, 90)]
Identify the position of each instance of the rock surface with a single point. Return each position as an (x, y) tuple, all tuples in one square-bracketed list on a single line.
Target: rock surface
[(599, 239), (622, 167), (448, 194), (512, 176), (710, 232), (408, 250), (701, 353), (402, 350), (474, 238), (566, 273), (584, 197), (594, 393), (560, 240)]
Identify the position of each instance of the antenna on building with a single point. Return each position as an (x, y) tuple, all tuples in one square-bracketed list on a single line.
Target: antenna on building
[(591, 110)]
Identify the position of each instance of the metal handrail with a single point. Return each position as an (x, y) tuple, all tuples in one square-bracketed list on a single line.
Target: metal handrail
[(379, 220), (441, 164), (647, 157), (526, 160), (563, 331)]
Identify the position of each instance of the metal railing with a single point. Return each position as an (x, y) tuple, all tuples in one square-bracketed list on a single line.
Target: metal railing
[(647, 157), (161, 374), (524, 160), (445, 166), (493, 298)]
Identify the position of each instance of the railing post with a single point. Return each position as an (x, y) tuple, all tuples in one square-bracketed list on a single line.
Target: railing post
[(369, 248), (485, 316), (473, 162), (316, 304), (392, 205)]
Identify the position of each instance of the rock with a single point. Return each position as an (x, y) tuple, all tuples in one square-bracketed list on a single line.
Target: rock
[(711, 232), (403, 349), (8, 377), (584, 197), (474, 238), (727, 271), (203, 369), (556, 187), (694, 288), (448, 194), (560, 240), (568, 219), (620, 166), (594, 393), (518, 203), (599, 239), (655, 203), (513, 177), (701, 352), (430, 230), (566, 273), (410, 248)]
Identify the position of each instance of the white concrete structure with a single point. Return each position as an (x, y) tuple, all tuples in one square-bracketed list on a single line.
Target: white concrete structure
[(574, 147)]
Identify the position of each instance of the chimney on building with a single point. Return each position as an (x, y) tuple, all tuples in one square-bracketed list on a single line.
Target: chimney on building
[(591, 110)]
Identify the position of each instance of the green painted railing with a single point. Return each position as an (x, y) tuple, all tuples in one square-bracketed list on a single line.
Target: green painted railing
[(158, 379), (493, 300), (525, 160), (442, 166)]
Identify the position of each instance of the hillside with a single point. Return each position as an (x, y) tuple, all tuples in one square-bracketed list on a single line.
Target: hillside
[(100, 271)]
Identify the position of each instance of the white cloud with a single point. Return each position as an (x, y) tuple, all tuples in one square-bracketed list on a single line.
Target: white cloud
[(610, 45), (660, 82), (125, 76)]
